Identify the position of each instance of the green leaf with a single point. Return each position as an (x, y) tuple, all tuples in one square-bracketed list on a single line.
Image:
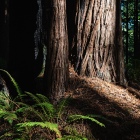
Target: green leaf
[(60, 107), (78, 117), (7, 134), (51, 126), (33, 97), (42, 98), (71, 137), (8, 116), (18, 90), (47, 108)]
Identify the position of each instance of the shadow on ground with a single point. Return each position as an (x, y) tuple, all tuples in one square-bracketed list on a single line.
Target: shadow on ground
[(120, 124)]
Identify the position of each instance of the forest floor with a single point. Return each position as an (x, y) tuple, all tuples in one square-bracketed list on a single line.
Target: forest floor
[(120, 106)]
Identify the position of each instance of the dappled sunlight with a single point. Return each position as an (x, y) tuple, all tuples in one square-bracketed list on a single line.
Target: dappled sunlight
[(105, 95), (118, 95)]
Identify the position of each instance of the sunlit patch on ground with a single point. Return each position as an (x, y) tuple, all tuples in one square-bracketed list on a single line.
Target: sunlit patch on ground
[(121, 107)]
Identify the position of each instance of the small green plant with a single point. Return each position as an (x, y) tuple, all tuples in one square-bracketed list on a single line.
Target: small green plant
[(71, 137), (7, 106), (76, 117), (50, 126), (37, 117), (18, 90)]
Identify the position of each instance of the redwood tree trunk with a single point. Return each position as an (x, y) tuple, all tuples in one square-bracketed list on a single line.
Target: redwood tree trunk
[(98, 40), (56, 72)]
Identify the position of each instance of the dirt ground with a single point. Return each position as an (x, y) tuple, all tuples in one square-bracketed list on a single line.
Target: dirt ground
[(119, 106)]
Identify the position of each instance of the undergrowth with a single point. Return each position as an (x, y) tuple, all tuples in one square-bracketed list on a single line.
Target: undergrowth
[(31, 116)]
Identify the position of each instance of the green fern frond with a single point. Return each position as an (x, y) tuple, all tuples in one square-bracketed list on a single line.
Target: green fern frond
[(22, 104), (21, 110), (30, 110), (2, 107), (33, 97), (50, 126), (37, 113), (3, 94), (99, 116), (7, 134), (47, 108), (4, 103), (71, 130), (60, 107), (78, 117), (18, 90), (42, 98), (8, 116), (20, 97), (4, 99), (71, 137)]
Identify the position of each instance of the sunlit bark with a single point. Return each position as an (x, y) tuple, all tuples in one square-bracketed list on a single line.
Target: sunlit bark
[(98, 40)]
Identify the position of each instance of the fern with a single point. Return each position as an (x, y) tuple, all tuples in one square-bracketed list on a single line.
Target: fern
[(50, 126), (4, 100), (18, 90), (6, 108), (42, 110), (47, 108), (2, 94), (42, 98), (7, 134), (8, 116), (33, 97), (29, 110), (60, 107), (78, 117), (71, 137), (99, 116)]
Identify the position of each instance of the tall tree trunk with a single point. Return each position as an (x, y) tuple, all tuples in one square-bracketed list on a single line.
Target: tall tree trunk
[(127, 31), (120, 67), (56, 71), (136, 37), (136, 47), (98, 40)]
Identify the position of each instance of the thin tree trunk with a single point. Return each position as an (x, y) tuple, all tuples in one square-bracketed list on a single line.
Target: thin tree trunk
[(120, 67), (127, 33), (99, 40), (56, 71)]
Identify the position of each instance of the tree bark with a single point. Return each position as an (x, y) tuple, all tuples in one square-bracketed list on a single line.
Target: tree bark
[(98, 40), (56, 73)]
